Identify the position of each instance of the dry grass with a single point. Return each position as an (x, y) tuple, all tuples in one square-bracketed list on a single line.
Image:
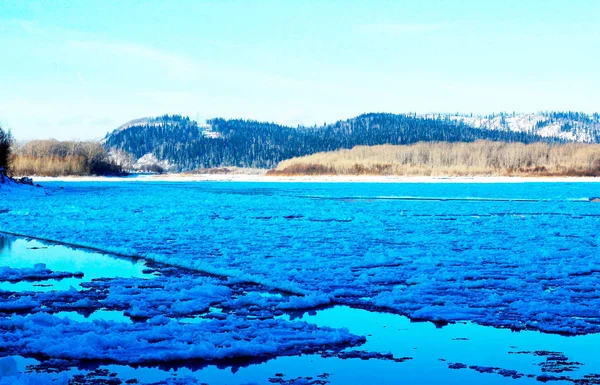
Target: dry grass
[(50, 166), (451, 159), (56, 158), (228, 170)]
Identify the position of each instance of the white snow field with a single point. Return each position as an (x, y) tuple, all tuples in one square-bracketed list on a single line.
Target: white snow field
[(225, 264)]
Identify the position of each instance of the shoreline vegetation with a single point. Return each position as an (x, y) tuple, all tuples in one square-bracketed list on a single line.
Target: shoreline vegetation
[(443, 159), (263, 178), (62, 158), (484, 161)]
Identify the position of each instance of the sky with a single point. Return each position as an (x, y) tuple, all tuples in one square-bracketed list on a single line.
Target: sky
[(79, 69)]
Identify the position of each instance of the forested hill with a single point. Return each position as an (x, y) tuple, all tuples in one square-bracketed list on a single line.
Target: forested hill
[(178, 143)]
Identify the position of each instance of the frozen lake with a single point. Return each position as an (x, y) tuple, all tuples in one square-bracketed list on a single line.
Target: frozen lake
[(361, 256)]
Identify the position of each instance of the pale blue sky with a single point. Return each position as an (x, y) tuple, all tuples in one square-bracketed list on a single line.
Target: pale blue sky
[(77, 69)]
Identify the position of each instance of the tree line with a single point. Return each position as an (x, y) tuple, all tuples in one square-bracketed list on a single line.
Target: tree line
[(248, 143), (54, 158), (180, 144)]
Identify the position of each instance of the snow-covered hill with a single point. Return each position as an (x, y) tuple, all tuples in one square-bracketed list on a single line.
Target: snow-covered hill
[(569, 126)]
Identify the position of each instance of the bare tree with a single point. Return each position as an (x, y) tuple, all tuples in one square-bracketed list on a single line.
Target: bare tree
[(53, 157)]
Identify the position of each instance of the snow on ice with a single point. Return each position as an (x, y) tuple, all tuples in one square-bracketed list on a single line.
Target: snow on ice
[(181, 316), (37, 273), (526, 261)]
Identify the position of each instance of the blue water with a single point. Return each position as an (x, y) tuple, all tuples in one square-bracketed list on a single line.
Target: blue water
[(430, 350), (456, 249), (23, 253), (521, 255)]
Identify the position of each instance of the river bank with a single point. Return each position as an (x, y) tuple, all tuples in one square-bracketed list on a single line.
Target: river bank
[(314, 179)]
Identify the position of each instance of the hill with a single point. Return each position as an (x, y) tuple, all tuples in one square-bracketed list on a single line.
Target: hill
[(569, 126), (176, 143)]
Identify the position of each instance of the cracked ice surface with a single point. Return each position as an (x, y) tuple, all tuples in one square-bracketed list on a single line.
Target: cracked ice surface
[(510, 255), (173, 315)]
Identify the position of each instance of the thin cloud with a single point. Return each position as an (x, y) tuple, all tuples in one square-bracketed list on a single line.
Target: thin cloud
[(29, 27), (81, 79), (177, 66), (401, 28)]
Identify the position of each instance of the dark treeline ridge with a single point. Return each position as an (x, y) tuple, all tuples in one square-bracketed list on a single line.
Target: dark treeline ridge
[(248, 143)]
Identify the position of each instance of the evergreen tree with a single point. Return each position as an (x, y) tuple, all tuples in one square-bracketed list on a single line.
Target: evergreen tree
[(5, 149), (248, 143)]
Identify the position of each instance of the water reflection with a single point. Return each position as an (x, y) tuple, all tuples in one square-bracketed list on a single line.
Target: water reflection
[(5, 243), (431, 350), (25, 253), (461, 342)]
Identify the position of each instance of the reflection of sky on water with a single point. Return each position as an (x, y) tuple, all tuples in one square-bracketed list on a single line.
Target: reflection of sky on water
[(25, 253), (467, 343), (5, 243), (464, 342)]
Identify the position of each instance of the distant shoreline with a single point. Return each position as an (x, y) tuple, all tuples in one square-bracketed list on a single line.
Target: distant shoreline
[(317, 179)]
